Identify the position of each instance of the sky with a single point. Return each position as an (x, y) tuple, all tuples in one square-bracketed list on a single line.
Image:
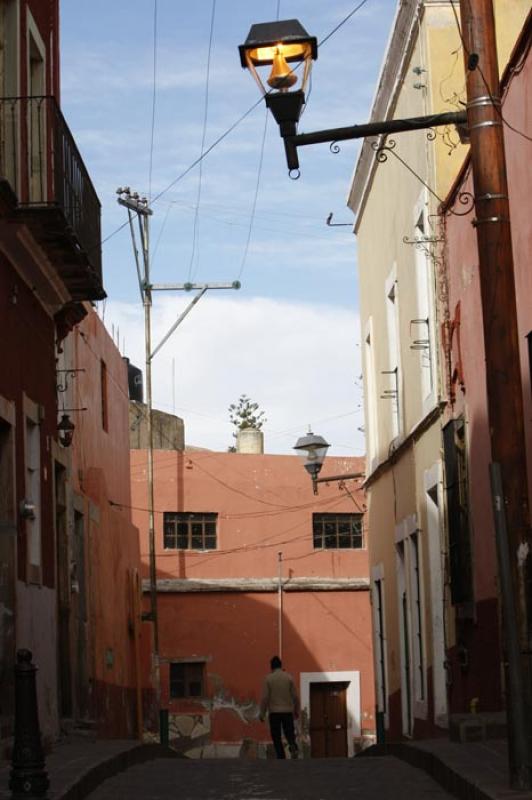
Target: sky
[(147, 86)]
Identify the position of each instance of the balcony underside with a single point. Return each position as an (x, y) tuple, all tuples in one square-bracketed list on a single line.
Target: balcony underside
[(51, 229)]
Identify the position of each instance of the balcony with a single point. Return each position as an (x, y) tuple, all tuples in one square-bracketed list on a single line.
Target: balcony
[(56, 198)]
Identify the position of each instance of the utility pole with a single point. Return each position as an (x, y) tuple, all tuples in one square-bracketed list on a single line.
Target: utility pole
[(503, 372), (139, 206)]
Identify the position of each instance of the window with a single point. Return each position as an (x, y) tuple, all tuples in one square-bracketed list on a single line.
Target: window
[(420, 326), (33, 496), (372, 433), (187, 679), (103, 393), (456, 479), (392, 377), (379, 639), (184, 530), (417, 617), (337, 531)]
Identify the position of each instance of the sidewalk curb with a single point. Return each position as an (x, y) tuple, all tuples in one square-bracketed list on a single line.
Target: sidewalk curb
[(448, 778), (95, 775)]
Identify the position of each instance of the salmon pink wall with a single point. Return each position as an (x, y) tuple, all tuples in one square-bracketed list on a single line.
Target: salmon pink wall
[(100, 478), (265, 506)]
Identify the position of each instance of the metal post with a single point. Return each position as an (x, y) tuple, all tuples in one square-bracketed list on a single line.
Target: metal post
[(134, 203), (280, 604), (151, 503), (501, 343), (516, 711), (28, 776)]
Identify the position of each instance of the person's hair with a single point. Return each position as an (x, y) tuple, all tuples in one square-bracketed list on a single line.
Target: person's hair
[(276, 662)]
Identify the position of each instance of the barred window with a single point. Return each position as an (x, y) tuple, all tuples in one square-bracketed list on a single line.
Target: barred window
[(183, 530), (187, 679), (337, 531)]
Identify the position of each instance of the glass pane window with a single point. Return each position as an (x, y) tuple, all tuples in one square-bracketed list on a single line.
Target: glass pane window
[(187, 679), (337, 531), (184, 530)]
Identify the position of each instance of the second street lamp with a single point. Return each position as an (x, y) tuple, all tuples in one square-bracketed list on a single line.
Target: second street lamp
[(313, 448), (277, 44)]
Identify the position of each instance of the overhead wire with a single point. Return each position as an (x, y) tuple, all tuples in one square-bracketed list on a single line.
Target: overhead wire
[(154, 95), (227, 132), (195, 232), (494, 101)]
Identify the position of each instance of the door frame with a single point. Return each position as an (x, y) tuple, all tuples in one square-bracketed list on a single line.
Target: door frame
[(352, 677)]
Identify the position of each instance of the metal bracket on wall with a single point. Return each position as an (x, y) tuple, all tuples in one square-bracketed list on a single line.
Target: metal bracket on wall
[(381, 154)]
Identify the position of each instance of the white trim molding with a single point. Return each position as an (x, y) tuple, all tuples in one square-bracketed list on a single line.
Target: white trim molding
[(352, 677)]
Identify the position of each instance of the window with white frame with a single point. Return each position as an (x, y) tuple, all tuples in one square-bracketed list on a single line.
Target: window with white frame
[(379, 639), (33, 493), (411, 615), (391, 377), (416, 624), (420, 325), (372, 431)]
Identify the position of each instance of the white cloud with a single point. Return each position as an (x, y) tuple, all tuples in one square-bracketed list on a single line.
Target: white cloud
[(299, 361)]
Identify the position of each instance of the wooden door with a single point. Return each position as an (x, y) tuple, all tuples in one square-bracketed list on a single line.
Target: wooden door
[(328, 720)]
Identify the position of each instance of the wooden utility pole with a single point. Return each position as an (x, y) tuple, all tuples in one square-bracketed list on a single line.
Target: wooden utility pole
[(503, 372)]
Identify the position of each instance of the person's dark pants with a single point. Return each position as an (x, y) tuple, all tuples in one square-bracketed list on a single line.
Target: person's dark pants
[(283, 722)]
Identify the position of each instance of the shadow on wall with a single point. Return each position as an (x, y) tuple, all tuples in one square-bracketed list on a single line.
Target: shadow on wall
[(229, 638)]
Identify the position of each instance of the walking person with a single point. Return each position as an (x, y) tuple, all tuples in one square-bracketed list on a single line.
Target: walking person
[(281, 702)]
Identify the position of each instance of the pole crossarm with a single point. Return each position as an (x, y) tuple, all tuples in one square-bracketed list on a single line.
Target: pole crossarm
[(292, 142), (189, 287)]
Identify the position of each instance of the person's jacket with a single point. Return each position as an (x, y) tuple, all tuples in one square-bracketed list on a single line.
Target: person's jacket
[(279, 693)]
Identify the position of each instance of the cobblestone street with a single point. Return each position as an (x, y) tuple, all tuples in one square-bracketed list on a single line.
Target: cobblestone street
[(383, 778)]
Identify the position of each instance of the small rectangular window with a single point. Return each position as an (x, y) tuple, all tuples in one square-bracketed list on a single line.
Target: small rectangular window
[(103, 392), (187, 679), (184, 530), (337, 531)]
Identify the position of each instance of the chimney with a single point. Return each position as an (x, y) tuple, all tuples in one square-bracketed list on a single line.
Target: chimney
[(249, 440)]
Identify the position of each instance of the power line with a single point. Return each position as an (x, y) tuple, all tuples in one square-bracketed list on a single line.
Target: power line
[(154, 94), (195, 232), (495, 101), (255, 196), (229, 130)]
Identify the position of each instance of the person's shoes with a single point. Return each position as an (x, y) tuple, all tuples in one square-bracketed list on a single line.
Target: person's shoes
[(293, 751)]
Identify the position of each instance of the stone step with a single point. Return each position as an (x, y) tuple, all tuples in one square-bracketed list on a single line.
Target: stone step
[(477, 727)]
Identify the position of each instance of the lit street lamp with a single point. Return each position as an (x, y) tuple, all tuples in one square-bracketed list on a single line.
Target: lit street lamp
[(278, 44)]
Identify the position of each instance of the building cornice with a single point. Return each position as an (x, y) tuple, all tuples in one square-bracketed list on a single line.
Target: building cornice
[(252, 585), (396, 59)]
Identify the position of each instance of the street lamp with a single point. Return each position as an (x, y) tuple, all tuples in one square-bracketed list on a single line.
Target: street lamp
[(313, 449), (276, 44)]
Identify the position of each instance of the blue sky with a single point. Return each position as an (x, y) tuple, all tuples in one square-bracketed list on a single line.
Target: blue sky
[(289, 337)]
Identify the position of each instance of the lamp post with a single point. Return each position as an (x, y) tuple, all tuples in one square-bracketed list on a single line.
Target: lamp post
[(139, 206), (276, 45), (313, 449), (508, 470)]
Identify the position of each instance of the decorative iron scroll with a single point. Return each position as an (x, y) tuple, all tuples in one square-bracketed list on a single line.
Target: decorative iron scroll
[(381, 154)]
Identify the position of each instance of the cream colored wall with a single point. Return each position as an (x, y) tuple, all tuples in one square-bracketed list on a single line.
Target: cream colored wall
[(387, 217), (445, 70)]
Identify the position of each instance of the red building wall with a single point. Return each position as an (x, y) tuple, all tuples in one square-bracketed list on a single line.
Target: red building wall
[(481, 677), (264, 505), (100, 479)]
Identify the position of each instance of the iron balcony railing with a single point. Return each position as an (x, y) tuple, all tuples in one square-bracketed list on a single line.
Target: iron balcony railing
[(40, 159)]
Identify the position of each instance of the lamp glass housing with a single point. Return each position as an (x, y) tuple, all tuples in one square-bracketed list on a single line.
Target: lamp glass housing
[(275, 45), (66, 430), (312, 449)]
